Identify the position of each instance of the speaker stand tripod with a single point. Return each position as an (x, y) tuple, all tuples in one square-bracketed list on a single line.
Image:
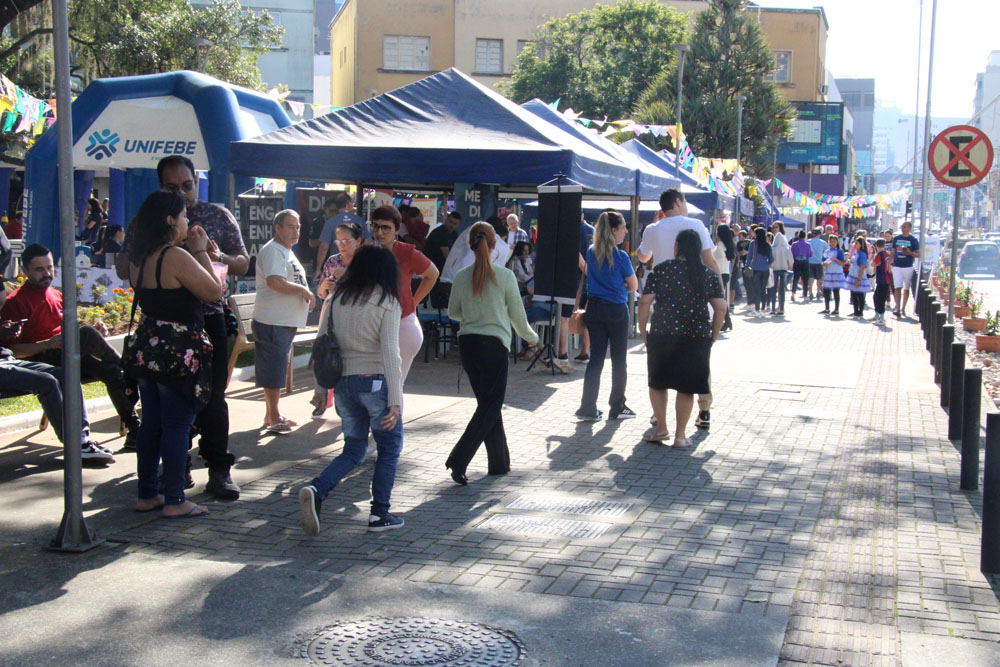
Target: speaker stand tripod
[(546, 351)]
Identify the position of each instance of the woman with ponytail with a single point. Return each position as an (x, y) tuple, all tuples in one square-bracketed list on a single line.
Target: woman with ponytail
[(679, 342), (486, 301), (610, 277)]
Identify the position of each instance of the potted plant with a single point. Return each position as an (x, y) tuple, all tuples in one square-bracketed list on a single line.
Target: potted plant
[(973, 322), (989, 341)]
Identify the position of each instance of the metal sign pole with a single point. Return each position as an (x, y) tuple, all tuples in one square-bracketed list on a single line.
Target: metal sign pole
[(954, 256), (73, 533)]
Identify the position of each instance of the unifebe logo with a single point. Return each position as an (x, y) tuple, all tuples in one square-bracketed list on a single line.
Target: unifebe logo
[(103, 143)]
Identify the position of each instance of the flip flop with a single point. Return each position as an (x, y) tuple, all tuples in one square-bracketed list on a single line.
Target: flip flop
[(190, 514), (151, 509), (652, 436), (279, 428), (680, 443)]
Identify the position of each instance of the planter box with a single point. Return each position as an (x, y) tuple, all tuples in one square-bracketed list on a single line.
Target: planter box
[(988, 343), (962, 311), (974, 323)]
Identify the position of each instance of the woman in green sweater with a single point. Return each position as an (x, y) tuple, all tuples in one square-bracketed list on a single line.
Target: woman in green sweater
[(486, 301)]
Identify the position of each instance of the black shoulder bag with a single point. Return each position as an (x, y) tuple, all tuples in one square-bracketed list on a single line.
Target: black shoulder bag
[(326, 361)]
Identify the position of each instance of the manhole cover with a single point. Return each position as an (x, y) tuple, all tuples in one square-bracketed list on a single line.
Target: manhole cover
[(534, 525), (564, 505), (376, 642)]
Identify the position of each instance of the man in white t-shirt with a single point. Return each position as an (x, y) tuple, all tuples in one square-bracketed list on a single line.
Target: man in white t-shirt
[(658, 245), (282, 305), (659, 238)]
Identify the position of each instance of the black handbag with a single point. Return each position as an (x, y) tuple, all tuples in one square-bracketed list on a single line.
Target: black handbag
[(327, 364), (748, 267)]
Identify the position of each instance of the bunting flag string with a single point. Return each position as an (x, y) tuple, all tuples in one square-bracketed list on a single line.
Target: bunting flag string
[(23, 113)]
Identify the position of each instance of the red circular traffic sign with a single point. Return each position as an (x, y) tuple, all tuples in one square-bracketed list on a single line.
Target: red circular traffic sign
[(960, 156)]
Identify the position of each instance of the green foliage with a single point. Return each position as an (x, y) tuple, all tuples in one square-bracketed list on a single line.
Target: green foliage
[(728, 57), (600, 60), (131, 37), (992, 323)]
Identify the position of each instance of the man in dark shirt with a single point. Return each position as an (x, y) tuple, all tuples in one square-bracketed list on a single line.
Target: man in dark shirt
[(177, 173), (441, 239)]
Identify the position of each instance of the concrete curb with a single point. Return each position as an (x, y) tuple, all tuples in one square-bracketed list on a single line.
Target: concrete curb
[(29, 420)]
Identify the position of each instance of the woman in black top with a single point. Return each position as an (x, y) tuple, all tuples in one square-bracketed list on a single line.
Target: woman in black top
[(169, 354), (679, 342)]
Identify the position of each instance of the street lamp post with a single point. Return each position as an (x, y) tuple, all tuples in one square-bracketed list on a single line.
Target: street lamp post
[(740, 99), (681, 50), (201, 47), (927, 140)]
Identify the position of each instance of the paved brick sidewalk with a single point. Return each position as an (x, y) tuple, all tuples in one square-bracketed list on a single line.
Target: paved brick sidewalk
[(836, 502)]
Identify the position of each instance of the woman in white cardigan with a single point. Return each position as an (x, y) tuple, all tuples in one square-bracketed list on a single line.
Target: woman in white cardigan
[(780, 267)]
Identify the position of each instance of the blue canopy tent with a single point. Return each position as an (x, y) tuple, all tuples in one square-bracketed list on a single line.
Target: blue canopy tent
[(650, 180), (593, 207), (441, 130), (130, 123), (693, 192)]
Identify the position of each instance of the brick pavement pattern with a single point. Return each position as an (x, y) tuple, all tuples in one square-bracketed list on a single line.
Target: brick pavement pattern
[(839, 505)]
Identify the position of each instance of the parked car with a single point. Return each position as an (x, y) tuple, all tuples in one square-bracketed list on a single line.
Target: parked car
[(979, 257)]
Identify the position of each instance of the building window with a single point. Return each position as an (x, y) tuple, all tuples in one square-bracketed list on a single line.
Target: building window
[(403, 52), (276, 20), (782, 67), (521, 43), (489, 55)]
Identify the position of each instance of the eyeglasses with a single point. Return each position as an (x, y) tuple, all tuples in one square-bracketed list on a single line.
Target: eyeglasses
[(186, 186), (385, 229), (341, 242)]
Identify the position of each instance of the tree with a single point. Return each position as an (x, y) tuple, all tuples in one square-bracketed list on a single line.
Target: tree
[(600, 60), (127, 37), (728, 57)]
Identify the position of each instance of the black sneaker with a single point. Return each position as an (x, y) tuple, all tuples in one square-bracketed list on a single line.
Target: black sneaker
[(562, 357), (91, 451), (130, 438), (379, 523), (581, 358), (703, 420), (625, 413), (584, 417), (310, 507), (221, 485)]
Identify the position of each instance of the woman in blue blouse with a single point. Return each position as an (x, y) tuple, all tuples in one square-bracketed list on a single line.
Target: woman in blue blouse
[(759, 258)]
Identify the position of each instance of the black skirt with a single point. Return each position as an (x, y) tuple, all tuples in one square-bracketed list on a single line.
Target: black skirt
[(678, 363)]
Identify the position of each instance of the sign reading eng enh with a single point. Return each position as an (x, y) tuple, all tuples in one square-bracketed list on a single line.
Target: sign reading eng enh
[(138, 133)]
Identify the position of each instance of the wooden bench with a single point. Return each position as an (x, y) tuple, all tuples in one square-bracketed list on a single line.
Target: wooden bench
[(242, 306)]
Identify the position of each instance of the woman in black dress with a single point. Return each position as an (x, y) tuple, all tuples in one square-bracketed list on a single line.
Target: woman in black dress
[(679, 343)]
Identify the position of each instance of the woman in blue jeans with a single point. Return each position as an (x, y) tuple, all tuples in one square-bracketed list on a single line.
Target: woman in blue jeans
[(169, 354), (610, 277), (365, 311), (759, 258)]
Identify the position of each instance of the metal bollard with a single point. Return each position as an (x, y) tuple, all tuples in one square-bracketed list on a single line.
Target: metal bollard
[(969, 480), (989, 551), (947, 337), (935, 309), (944, 356), (922, 294), (957, 391), (939, 321)]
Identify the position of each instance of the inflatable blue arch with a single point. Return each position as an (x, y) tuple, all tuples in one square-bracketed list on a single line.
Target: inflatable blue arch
[(127, 124)]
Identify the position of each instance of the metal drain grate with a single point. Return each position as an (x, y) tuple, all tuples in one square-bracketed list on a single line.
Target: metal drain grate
[(416, 642), (563, 505), (546, 527)]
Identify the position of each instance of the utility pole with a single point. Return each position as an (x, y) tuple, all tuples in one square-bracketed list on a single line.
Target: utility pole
[(927, 135), (681, 50), (740, 99)]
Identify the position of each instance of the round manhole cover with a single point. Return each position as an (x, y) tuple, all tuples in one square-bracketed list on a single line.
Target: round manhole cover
[(418, 642)]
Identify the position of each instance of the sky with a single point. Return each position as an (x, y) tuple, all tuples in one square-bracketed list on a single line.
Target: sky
[(878, 39)]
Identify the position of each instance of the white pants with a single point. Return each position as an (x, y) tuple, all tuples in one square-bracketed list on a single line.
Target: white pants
[(411, 338)]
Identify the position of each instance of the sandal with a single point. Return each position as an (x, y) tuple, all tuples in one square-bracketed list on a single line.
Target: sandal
[(653, 436), (680, 443), (194, 512), (279, 427)]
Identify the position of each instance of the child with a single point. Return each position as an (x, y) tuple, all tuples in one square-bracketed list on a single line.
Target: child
[(857, 277), (883, 280), (833, 274)]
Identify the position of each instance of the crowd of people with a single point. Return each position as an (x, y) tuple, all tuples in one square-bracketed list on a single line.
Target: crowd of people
[(178, 251)]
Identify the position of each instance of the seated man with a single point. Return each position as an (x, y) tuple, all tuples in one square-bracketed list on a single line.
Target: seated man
[(44, 381), (40, 340)]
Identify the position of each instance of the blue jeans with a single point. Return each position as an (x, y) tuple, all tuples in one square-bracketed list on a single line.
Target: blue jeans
[(606, 323), (163, 435), (759, 282), (42, 380), (777, 293), (361, 409)]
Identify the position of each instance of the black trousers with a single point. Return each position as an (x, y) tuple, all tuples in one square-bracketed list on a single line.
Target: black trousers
[(800, 271), (858, 302), (484, 359), (881, 298), (99, 360), (835, 293), (213, 421)]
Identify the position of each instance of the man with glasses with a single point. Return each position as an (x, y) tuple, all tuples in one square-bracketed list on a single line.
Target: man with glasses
[(177, 173)]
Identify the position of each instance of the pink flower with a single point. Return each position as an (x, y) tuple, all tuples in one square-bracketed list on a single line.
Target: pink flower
[(153, 341), (188, 356)]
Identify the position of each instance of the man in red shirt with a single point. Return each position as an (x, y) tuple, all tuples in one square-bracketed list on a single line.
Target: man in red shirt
[(40, 309), (14, 229)]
